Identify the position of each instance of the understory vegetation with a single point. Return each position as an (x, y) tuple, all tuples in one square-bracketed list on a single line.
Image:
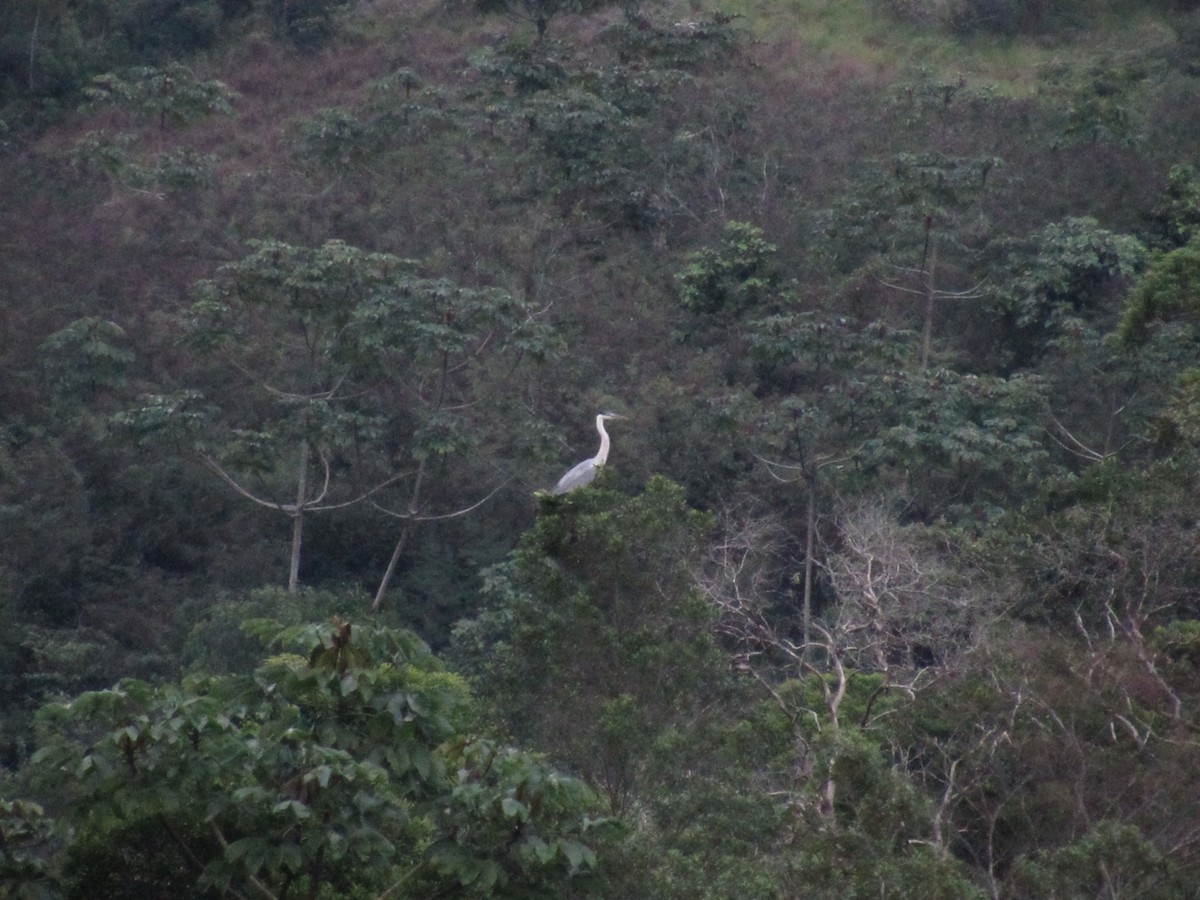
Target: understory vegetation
[(888, 588)]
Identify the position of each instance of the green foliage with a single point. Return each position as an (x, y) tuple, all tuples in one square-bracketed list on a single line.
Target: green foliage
[(962, 433), (352, 773), (899, 208), (1176, 219), (556, 186), (172, 418), (334, 366), (1068, 270), (680, 45), (1180, 640), (23, 872), (874, 837), (43, 504), (603, 638), (51, 48), (86, 358), (308, 24), (99, 152), (1100, 105), (1090, 545), (1112, 858), (1169, 286), (217, 643), (333, 137), (177, 173), (1010, 18), (953, 443), (172, 95), (540, 12), (731, 279)]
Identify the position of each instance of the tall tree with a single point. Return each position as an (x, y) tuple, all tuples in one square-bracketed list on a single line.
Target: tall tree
[(333, 375), (352, 769), (598, 639)]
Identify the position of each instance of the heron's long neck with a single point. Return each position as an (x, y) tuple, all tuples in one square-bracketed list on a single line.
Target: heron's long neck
[(602, 456)]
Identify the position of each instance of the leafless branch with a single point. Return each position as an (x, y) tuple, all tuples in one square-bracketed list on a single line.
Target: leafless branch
[(413, 517), (291, 509)]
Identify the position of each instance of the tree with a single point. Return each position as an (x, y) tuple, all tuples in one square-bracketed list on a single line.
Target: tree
[(1067, 273), (912, 225), (899, 617), (336, 375), (171, 94), (540, 12), (1168, 288), (352, 770), (23, 829), (1112, 860), (596, 639), (733, 279)]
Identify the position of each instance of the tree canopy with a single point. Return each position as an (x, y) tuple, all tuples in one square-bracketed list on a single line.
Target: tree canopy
[(886, 589)]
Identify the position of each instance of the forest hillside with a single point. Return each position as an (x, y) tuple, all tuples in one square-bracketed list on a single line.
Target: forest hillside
[(889, 586)]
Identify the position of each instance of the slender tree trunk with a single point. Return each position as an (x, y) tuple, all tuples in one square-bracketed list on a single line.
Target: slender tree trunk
[(930, 297), (37, 20), (810, 527), (391, 568), (298, 519), (413, 505)]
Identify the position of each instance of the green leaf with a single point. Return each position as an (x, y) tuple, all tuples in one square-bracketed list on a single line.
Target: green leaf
[(578, 855), (514, 809)]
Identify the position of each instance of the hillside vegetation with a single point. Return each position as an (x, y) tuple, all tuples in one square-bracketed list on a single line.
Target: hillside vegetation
[(888, 589)]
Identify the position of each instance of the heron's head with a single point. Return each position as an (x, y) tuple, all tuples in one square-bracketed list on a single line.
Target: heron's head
[(610, 415)]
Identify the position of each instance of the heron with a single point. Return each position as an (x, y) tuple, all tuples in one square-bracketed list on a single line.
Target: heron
[(586, 471)]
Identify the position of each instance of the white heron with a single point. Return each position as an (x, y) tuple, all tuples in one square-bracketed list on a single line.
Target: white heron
[(586, 471)]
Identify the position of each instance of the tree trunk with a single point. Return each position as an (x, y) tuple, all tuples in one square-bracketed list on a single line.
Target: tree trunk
[(391, 568), (298, 520), (413, 503), (810, 527), (930, 297), (37, 20)]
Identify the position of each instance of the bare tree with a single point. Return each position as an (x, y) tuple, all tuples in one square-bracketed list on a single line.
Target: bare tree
[(901, 611), (899, 614)]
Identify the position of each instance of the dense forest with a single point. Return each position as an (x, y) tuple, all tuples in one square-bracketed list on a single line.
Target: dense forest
[(891, 584)]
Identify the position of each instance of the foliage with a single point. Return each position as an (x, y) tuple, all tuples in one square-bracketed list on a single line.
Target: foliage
[(602, 640), (313, 346), (1168, 287), (900, 206), (172, 95), (1067, 271), (1174, 221), (23, 828), (732, 279), (86, 358), (1100, 105), (957, 437), (540, 12), (679, 45), (352, 772), (1008, 18), (1112, 858), (856, 279), (309, 24), (51, 49)]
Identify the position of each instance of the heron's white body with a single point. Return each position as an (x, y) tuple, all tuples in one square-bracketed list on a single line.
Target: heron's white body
[(586, 471)]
